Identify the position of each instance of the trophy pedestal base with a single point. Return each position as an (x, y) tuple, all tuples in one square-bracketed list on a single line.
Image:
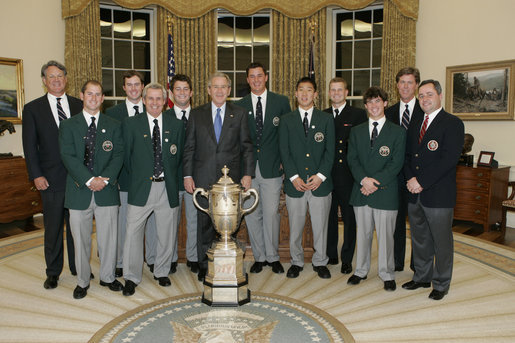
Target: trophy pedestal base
[(225, 283)]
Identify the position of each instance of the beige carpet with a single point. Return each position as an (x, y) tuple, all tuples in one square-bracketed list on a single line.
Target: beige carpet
[(480, 306)]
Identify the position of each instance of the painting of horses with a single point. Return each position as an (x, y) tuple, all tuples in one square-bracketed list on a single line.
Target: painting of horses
[(481, 91), (11, 89)]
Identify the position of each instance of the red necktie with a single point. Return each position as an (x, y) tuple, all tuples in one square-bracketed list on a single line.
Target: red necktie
[(423, 129)]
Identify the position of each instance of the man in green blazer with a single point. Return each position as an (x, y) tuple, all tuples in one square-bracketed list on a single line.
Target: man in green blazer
[(306, 138), (264, 110), (153, 151), (133, 87), (91, 147), (375, 157)]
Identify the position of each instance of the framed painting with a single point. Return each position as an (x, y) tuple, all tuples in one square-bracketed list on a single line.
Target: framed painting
[(11, 89), (482, 91)]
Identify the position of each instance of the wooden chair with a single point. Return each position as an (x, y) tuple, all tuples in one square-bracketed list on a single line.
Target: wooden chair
[(507, 205)]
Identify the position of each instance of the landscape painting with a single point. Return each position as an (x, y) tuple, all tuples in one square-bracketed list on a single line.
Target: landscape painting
[(11, 89)]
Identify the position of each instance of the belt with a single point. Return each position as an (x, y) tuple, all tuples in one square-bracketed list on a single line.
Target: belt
[(157, 179)]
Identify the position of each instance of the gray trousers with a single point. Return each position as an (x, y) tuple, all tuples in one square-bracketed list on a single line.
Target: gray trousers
[(191, 227), (433, 244), (384, 222), (150, 230), (319, 211), (263, 222), (166, 224), (81, 223)]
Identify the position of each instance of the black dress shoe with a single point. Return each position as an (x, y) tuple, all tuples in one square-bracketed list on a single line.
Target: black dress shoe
[(173, 268), (118, 272), (294, 271), (322, 271), (164, 281), (79, 292), (257, 267), (411, 285), (193, 266), (151, 267), (437, 295), (114, 286), (129, 288), (399, 268), (277, 267), (201, 274), (333, 261), (390, 285), (51, 282), (346, 268), (354, 279)]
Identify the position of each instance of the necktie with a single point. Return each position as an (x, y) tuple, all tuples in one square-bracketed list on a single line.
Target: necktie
[(423, 129), (306, 124), (374, 134), (158, 156), (184, 119), (259, 121), (336, 113), (136, 109), (405, 118), (60, 112), (89, 152), (218, 124)]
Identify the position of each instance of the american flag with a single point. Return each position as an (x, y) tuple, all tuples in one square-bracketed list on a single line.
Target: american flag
[(171, 68)]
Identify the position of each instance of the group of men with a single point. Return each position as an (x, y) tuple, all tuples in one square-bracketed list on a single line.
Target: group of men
[(132, 167)]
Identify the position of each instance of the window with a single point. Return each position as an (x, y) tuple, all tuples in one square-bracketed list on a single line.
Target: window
[(242, 40), (357, 49), (126, 38)]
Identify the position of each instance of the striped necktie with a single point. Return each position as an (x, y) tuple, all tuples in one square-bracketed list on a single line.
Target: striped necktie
[(405, 118), (60, 112), (423, 129)]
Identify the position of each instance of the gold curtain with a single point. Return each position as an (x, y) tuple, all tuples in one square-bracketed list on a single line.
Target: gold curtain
[(83, 55), (399, 46), (290, 53), (194, 49)]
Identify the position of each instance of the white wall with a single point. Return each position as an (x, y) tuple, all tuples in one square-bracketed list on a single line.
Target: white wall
[(33, 31)]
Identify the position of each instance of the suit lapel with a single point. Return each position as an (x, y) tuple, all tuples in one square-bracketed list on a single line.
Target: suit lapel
[(145, 132), (167, 135), (47, 111), (228, 119)]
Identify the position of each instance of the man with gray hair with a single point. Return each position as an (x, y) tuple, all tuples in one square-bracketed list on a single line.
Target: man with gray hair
[(153, 152), (41, 120)]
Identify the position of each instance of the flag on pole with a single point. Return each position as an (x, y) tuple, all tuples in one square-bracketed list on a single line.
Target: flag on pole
[(311, 72), (171, 67)]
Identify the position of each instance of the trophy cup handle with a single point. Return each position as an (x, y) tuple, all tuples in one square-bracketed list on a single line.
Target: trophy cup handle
[(247, 194), (202, 192)]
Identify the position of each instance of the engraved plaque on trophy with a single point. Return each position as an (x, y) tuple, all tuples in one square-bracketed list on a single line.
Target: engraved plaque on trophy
[(225, 283)]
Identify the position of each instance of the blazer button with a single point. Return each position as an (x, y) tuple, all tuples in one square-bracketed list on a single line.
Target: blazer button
[(416, 155), (340, 151), (307, 155), (341, 141), (417, 168), (307, 168), (257, 150), (341, 161)]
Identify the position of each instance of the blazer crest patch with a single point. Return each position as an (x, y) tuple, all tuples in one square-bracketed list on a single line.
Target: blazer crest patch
[(173, 149), (319, 137), (384, 151), (107, 145), (276, 121), (432, 145)]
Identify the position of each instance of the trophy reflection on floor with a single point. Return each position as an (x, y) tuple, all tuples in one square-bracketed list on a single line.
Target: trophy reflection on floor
[(225, 283)]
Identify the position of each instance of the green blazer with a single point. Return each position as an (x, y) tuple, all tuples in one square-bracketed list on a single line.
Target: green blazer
[(139, 156), (108, 160), (306, 156), (119, 112), (268, 151), (171, 111), (382, 162)]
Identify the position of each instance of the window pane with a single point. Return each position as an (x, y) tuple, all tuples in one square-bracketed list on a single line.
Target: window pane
[(107, 82), (362, 54), (361, 81), (358, 103), (231, 76), (107, 53), (243, 29), (122, 53), (377, 46), (376, 77), (343, 55), (105, 22), (118, 83), (344, 29), (261, 30), (107, 104), (262, 55), (141, 26), (243, 57), (378, 23), (122, 24), (225, 58), (226, 29), (242, 87), (147, 77), (363, 24), (347, 76), (141, 55)]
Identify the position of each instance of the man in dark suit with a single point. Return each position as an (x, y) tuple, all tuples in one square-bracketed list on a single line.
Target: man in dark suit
[(264, 110), (406, 111), (153, 150), (345, 118), (133, 86), (41, 119), (91, 146), (376, 155), (432, 152), (217, 135), (306, 140)]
